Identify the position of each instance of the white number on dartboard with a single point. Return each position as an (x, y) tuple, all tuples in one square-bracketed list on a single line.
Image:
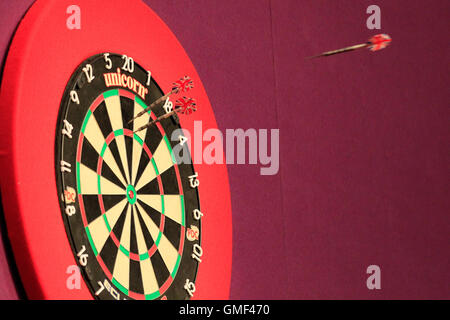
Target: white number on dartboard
[(102, 287), (193, 181), (108, 61), (74, 97), (67, 130), (149, 78), (89, 72), (65, 166), (83, 256), (182, 139), (197, 252), (197, 214), (189, 287), (70, 210), (168, 106), (107, 286), (128, 64)]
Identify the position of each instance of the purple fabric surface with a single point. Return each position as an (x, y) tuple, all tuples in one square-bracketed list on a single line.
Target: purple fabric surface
[(363, 142), (369, 145)]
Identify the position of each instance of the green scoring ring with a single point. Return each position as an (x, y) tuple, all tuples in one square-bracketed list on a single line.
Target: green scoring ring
[(131, 190), (131, 200)]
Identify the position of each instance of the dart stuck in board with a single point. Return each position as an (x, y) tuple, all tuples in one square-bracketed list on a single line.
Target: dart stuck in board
[(183, 105), (377, 42), (182, 85)]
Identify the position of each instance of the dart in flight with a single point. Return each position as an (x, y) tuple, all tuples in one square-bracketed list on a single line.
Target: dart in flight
[(377, 42)]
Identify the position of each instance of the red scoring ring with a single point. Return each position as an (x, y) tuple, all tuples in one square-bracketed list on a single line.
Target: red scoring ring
[(152, 250), (35, 76), (108, 140)]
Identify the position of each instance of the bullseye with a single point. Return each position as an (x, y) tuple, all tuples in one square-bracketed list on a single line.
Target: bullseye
[(131, 194)]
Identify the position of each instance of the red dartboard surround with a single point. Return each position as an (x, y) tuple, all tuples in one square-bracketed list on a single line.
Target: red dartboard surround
[(42, 57)]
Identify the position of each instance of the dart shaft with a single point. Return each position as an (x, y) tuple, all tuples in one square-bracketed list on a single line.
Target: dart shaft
[(330, 53), (158, 101), (165, 116)]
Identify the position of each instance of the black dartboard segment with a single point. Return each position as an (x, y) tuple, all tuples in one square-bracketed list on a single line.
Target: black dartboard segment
[(123, 196)]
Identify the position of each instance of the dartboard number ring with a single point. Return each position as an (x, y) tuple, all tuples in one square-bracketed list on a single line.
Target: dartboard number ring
[(131, 211)]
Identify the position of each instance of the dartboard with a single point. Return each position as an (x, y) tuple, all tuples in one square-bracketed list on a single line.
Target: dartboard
[(101, 178), (128, 188)]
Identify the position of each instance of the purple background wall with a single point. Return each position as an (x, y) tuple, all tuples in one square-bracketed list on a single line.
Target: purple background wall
[(364, 159)]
